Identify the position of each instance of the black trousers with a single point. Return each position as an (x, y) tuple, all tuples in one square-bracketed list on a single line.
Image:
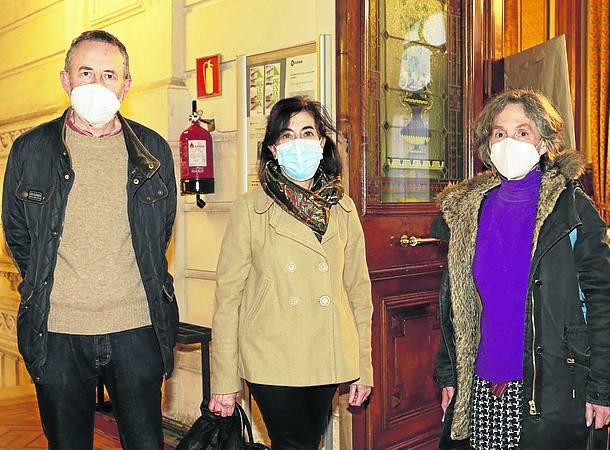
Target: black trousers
[(296, 417), (130, 364)]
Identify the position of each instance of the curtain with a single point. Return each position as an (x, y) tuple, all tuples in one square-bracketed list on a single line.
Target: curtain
[(598, 25)]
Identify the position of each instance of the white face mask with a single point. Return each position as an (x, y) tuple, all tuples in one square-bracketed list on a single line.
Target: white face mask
[(95, 104), (300, 158), (514, 159)]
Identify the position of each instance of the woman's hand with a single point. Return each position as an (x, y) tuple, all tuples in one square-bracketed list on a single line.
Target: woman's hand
[(223, 404), (600, 415), (446, 396), (358, 393)]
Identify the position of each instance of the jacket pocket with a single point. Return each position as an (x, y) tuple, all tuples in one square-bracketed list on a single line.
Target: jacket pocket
[(153, 191), (577, 343), (577, 359), (256, 306)]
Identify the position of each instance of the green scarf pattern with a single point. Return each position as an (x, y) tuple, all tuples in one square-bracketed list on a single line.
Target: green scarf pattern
[(312, 207)]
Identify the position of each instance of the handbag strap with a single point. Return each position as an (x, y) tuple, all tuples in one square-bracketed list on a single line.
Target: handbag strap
[(245, 423)]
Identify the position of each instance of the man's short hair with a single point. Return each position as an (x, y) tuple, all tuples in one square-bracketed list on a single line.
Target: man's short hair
[(100, 36)]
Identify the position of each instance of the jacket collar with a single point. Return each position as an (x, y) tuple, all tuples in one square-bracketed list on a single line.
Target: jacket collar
[(138, 154), (288, 226), (262, 202)]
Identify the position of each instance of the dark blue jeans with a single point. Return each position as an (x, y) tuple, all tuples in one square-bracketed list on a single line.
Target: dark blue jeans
[(130, 364)]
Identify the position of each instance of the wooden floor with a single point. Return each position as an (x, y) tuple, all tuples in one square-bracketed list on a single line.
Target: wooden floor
[(20, 423)]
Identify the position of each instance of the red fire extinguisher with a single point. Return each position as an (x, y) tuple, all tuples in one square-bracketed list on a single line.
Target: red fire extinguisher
[(197, 157)]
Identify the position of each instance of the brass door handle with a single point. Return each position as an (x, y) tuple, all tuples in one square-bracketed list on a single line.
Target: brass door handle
[(414, 241)]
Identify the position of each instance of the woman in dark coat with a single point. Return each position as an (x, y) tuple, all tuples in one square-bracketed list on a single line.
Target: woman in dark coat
[(523, 362)]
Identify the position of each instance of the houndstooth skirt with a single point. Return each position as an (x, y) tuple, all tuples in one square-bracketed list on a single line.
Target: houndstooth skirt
[(495, 422)]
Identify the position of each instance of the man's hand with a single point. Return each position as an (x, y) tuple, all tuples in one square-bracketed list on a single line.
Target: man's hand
[(223, 404), (599, 414), (446, 396), (358, 393)]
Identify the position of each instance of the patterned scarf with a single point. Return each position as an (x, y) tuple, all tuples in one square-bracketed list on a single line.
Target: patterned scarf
[(312, 207)]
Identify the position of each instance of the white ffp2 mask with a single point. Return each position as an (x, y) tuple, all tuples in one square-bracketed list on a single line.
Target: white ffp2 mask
[(514, 159), (94, 103)]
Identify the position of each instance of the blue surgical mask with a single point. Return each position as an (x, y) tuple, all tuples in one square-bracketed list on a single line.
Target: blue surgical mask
[(299, 158)]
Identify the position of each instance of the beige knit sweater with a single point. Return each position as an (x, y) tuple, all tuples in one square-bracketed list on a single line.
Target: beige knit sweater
[(97, 286)]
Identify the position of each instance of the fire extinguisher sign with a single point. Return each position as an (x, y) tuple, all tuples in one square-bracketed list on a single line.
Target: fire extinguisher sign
[(208, 76)]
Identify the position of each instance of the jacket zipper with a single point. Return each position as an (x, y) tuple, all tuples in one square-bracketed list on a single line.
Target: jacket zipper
[(532, 402)]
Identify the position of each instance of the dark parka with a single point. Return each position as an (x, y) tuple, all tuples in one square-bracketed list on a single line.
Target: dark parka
[(37, 183), (566, 361)]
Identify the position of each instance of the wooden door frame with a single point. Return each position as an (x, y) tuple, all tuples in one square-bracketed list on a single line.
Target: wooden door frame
[(355, 85)]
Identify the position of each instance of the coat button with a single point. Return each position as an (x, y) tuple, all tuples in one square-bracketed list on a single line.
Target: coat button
[(291, 267), (151, 166), (293, 301), (66, 176), (136, 181), (538, 282), (325, 300), (539, 350), (323, 267)]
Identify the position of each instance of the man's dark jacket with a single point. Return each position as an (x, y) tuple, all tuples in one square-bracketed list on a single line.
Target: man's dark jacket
[(37, 183), (566, 361)]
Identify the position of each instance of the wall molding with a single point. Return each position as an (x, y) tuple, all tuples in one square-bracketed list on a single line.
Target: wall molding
[(8, 324), (164, 83), (59, 54), (28, 17), (13, 278), (105, 12), (200, 274), (8, 137)]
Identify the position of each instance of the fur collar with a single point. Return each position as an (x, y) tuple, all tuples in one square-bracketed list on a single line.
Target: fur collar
[(460, 205)]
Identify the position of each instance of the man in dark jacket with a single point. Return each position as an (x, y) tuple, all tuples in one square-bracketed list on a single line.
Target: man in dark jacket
[(88, 207)]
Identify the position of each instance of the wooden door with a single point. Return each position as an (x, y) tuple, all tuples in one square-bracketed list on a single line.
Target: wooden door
[(409, 81)]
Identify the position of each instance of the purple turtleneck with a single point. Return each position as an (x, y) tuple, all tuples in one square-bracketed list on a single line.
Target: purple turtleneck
[(501, 268)]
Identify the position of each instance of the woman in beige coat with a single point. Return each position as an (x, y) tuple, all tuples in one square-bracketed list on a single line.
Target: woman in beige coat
[(293, 297)]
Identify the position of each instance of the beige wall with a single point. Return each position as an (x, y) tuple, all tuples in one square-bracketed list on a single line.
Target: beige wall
[(163, 38)]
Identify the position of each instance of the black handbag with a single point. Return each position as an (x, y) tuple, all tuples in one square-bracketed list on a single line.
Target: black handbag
[(212, 432), (597, 439)]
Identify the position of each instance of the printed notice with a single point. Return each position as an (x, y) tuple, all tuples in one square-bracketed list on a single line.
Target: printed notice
[(273, 75), (301, 76), (257, 86), (197, 153)]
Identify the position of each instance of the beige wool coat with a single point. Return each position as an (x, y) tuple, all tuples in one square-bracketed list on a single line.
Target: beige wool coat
[(290, 310)]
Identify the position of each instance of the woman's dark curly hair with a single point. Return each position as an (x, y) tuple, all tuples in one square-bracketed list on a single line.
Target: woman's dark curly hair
[(278, 120)]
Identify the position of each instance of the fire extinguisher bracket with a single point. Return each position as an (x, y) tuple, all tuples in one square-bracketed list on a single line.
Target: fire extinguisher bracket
[(197, 186)]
